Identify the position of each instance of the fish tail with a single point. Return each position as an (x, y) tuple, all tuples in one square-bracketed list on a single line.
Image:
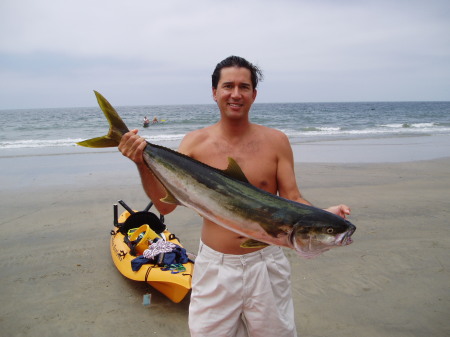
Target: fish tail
[(117, 127)]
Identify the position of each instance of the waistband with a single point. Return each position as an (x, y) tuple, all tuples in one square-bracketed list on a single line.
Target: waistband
[(259, 255)]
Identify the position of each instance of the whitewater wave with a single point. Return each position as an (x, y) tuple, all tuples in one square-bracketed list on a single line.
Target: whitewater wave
[(409, 125), (38, 143), (68, 142), (387, 129)]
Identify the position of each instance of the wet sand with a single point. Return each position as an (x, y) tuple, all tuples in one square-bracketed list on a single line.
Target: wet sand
[(57, 277)]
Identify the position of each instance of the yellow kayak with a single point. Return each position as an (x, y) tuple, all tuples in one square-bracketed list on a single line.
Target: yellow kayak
[(173, 281)]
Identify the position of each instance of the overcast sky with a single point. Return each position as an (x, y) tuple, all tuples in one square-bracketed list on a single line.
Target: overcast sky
[(53, 53)]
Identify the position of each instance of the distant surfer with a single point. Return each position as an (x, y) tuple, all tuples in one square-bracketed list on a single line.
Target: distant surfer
[(146, 122), (155, 120)]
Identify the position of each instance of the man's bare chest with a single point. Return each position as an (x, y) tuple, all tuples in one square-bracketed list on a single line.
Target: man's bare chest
[(259, 166)]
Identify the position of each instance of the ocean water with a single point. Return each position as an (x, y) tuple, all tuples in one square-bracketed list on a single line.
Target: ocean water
[(57, 130)]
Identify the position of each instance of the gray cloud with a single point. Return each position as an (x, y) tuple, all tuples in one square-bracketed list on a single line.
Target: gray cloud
[(53, 53)]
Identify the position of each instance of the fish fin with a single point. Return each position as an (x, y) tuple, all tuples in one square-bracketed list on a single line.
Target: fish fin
[(234, 170), (251, 243), (170, 199), (103, 141), (117, 127)]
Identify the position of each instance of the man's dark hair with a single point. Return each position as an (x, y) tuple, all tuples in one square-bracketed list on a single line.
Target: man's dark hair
[(236, 61)]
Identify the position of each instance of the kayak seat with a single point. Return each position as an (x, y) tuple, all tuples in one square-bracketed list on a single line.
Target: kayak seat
[(138, 219)]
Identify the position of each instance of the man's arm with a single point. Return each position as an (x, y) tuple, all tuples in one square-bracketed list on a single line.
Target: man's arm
[(286, 181), (287, 184), (132, 146)]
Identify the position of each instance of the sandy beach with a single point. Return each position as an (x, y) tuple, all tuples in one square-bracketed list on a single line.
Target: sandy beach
[(57, 277)]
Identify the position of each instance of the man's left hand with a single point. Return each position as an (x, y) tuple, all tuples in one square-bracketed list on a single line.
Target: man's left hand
[(341, 210)]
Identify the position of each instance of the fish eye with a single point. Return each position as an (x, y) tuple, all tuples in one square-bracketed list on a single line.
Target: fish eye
[(330, 230)]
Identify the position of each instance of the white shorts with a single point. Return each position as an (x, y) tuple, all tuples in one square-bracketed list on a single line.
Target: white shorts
[(241, 295)]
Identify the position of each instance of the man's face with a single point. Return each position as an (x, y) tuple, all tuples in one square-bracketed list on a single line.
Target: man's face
[(234, 94)]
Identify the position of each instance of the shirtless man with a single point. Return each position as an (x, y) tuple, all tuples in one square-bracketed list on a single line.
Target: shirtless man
[(234, 289)]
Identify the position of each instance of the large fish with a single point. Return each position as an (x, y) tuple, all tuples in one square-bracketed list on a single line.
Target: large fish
[(228, 199)]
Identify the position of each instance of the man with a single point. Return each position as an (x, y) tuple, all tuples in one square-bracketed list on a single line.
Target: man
[(235, 291)]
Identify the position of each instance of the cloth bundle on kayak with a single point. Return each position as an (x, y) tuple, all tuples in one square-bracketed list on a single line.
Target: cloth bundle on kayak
[(162, 253), (158, 247)]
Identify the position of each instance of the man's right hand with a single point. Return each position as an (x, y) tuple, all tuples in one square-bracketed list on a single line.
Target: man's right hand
[(132, 146)]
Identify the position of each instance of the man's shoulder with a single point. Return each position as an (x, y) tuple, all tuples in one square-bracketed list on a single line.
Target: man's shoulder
[(269, 132), (199, 134), (193, 139)]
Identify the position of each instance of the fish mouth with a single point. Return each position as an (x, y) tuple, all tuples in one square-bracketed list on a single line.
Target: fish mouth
[(346, 238)]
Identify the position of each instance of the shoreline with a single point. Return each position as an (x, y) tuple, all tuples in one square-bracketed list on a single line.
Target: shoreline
[(374, 150), (53, 166), (394, 149)]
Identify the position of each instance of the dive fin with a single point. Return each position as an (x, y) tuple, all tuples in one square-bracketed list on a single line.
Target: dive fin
[(234, 171), (117, 127), (251, 243)]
